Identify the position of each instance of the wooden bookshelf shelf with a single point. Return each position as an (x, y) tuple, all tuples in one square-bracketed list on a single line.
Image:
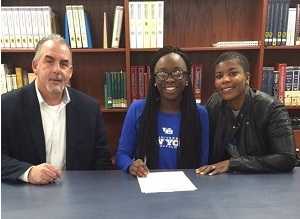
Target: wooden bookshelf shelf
[(292, 107), (17, 50), (282, 48), (145, 50), (77, 50), (99, 50), (114, 110), (202, 49), (207, 49)]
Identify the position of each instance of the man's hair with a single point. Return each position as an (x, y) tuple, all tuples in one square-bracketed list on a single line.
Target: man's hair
[(233, 55), (190, 127), (53, 37)]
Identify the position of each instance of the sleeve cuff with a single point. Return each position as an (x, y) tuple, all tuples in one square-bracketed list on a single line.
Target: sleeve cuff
[(24, 176)]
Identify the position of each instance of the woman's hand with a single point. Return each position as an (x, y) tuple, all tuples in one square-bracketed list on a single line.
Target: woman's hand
[(138, 168), (217, 168)]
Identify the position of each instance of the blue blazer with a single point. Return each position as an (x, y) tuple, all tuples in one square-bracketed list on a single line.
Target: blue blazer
[(23, 143)]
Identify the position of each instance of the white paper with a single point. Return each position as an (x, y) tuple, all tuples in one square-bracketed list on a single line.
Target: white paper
[(171, 181)]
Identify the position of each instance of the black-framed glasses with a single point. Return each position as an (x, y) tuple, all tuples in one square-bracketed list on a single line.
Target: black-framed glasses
[(177, 75)]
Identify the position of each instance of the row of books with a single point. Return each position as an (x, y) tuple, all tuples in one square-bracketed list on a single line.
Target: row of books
[(139, 81), (77, 27), (282, 82), (140, 75), (23, 27), (115, 90), (283, 24), (146, 24), (12, 79)]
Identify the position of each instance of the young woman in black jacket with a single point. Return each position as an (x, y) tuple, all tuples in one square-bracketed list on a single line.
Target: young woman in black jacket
[(250, 130)]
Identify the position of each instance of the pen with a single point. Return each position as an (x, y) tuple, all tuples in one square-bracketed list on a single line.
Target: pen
[(145, 164)]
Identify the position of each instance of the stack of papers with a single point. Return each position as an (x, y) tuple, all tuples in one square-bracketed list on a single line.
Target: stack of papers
[(171, 181)]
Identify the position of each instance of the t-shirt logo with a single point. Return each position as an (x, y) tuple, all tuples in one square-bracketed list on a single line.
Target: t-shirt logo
[(167, 140), (167, 131)]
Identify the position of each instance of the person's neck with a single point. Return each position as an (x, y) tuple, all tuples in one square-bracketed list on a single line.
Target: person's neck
[(237, 104), (171, 106), (52, 99)]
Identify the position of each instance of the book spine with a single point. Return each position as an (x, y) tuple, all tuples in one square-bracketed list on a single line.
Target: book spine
[(81, 15), (284, 22), (134, 82), (132, 24), (5, 28), (297, 26), (281, 81), (118, 18), (139, 25), (147, 79), (271, 27), (40, 22), (105, 45), (146, 21), (295, 79), (76, 26), (47, 13), (160, 24), (3, 87), (291, 27), (275, 22), (71, 28), (29, 28), (267, 30), (19, 77), (197, 82), (141, 88), (280, 23), (23, 30)]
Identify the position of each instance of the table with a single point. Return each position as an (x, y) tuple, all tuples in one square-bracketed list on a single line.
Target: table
[(116, 195)]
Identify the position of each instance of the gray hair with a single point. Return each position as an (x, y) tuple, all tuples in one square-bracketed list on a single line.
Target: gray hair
[(53, 37)]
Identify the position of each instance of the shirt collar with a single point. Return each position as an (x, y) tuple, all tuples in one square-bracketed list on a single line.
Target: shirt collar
[(66, 97)]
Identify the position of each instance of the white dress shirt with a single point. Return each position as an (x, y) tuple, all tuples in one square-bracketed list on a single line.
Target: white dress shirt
[(54, 126)]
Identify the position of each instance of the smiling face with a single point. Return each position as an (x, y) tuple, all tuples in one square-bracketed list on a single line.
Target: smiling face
[(53, 69), (170, 86), (231, 81)]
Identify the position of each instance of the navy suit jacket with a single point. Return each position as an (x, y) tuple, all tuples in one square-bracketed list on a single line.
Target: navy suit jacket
[(23, 143)]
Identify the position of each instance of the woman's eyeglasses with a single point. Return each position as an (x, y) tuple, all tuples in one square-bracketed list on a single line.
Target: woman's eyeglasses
[(177, 75)]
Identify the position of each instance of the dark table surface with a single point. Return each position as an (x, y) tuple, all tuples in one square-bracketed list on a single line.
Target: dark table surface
[(114, 194)]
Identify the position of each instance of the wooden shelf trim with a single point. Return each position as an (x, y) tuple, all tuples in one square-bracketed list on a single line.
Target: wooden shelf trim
[(282, 48), (199, 49), (292, 107), (114, 110), (77, 50)]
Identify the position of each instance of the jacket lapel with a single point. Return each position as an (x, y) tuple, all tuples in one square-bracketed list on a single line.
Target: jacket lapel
[(72, 126), (34, 121)]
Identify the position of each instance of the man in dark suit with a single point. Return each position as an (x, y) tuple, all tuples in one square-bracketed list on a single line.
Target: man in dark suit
[(48, 127)]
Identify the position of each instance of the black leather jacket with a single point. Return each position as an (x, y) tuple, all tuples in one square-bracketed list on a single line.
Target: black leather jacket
[(259, 139)]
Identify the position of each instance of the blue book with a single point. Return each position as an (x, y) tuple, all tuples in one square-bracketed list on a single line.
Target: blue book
[(66, 30), (88, 30)]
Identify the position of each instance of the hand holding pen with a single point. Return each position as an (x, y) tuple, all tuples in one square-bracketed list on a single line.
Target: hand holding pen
[(139, 168)]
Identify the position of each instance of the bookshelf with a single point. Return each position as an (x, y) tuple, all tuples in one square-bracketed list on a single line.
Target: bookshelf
[(192, 25)]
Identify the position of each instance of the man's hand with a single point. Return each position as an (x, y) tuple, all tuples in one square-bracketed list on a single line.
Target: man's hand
[(138, 168), (214, 169), (43, 174)]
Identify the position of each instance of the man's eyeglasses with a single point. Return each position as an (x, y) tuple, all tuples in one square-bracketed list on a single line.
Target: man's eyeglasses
[(177, 75), (64, 65)]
